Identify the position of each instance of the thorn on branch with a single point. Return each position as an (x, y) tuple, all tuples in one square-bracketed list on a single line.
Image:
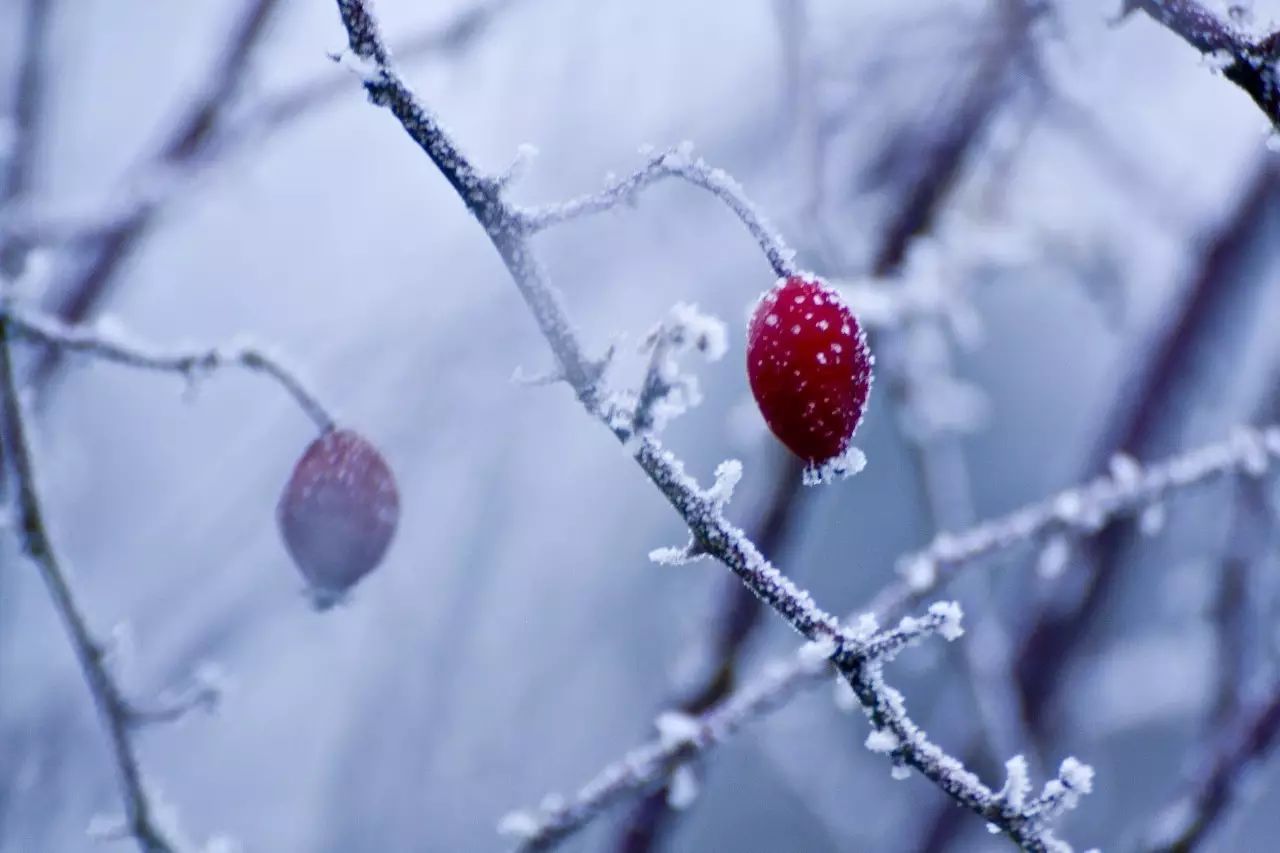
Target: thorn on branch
[(665, 392)]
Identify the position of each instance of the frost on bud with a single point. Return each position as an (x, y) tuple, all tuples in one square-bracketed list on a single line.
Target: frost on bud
[(338, 513)]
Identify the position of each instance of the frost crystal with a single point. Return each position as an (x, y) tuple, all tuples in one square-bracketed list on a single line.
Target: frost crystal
[(1152, 519), (950, 614), (682, 790), (1017, 784), (676, 728), (919, 572), (728, 475), (845, 465), (519, 825), (814, 655), (703, 332), (882, 741), (1054, 558)]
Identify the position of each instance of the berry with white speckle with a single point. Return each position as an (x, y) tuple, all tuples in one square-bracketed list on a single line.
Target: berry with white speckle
[(809, 368)]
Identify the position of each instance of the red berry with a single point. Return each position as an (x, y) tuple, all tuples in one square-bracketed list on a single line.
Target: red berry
[(809, 368), (338, 513)]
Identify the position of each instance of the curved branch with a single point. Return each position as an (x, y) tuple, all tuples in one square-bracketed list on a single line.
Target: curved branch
[(113, 708), (188, 363), (702, 511)]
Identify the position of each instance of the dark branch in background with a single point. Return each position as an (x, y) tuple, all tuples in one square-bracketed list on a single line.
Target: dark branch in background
[(1249, 63), (856, 658), (1245, 741), (237, 128), (738, 613), (85, 290), (1146, 403), (1081, 511), (28, 101), (113, 708)]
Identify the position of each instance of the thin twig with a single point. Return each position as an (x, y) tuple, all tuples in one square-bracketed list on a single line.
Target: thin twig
[(88, 285), (160, 183), (701, 510), (678, 162), (1186, 821), (113, 708), (188, 363), (1083, 510), (1245, 61)]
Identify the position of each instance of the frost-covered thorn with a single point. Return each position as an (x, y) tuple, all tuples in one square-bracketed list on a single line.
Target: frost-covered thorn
[(107, 827), (882, 741), (519, 825), (670, 556), (367, 69), (532, 380), (728, 475), (1063, 794), (665, 392), (682, 788), (814, 655), (1017, 784), (525, 154), (1054, 557), (677, 729), (949, 616), (919, 572), (204, 692)]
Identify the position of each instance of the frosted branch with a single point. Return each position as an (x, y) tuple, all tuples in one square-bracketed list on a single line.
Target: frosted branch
[(113, 708), (1245, 60), (1128, 489), (678, 162), (1215, 785), (893, 733), (508, 229), (187, 363), (666, 393)]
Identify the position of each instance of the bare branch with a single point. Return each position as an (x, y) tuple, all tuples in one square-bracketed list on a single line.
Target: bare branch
[(1083, 511), (88, 285), (1245, 61), (188, 363), (113, 708), (678, 162), (702, 512), (1184, 822)]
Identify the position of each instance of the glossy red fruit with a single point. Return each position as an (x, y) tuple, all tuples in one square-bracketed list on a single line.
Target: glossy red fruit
[(338, 513), (809, 368)]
